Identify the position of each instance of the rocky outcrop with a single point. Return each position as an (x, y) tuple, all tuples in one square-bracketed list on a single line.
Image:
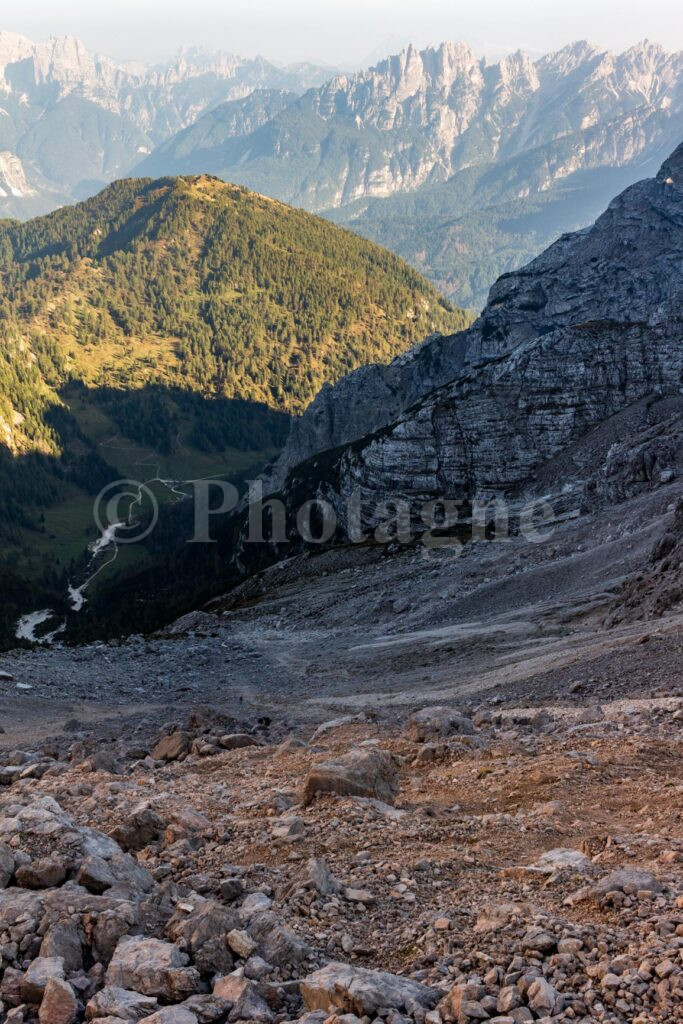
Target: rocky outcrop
[(368, 399), (585, 331), (589, 327)]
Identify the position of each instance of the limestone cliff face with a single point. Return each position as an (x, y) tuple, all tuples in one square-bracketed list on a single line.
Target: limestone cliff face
[(589, 328), (420, 117), (368, 399), (600, 285)]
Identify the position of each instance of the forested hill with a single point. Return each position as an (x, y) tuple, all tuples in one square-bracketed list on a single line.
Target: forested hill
[(202, 284), (176, 323)]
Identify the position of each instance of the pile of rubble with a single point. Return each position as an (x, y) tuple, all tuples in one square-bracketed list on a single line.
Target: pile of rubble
[(367, 871)]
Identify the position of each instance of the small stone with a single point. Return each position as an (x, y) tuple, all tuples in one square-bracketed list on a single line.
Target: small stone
[(241, 942)]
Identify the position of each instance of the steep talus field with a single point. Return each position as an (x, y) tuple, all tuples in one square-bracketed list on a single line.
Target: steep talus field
[(171, 329)]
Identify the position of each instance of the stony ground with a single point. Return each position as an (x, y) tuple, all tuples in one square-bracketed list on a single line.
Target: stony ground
[(517, 863), (249, 817)]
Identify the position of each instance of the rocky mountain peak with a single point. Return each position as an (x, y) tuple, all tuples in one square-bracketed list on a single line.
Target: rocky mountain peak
[(518, 65), (402, 77), (569, 57), (645, 51), (66, 58), (13, 47)]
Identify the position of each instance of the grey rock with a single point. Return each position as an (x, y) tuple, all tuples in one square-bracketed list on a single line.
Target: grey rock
[(204, 934), (370, 773), (37, 976), (431, 723), (277, 944), (251, 1006), (96, 875), (543, 998), (63, 939), (172, 1015), (112, 1001), (153, 968), (142, 827), (361, 991), (208, 1008)]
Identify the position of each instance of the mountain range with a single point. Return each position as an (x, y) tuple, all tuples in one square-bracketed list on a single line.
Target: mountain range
[(71, 121), (465, 168)]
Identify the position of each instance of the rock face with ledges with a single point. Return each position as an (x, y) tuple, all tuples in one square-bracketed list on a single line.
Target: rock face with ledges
[(591, 327), (601, 306)]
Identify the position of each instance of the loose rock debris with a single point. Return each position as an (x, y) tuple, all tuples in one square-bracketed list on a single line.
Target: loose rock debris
[(455, 865)]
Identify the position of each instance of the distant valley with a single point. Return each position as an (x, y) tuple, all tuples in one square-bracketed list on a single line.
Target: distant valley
[(170, 329)]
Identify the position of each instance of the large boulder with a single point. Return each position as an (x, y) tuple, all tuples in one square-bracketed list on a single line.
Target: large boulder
[(362, 992), (624, 878), (277, 945), (439, 723), (39, 972), (371, 773), (63, 939), (142, 827), (152, 967), (172, 747), (44, 873)]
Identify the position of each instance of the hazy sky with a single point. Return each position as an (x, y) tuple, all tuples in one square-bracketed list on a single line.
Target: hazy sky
[(343, 33)]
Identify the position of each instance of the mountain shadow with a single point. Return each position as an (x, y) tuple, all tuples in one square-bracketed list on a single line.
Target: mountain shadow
[(103, 435)]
